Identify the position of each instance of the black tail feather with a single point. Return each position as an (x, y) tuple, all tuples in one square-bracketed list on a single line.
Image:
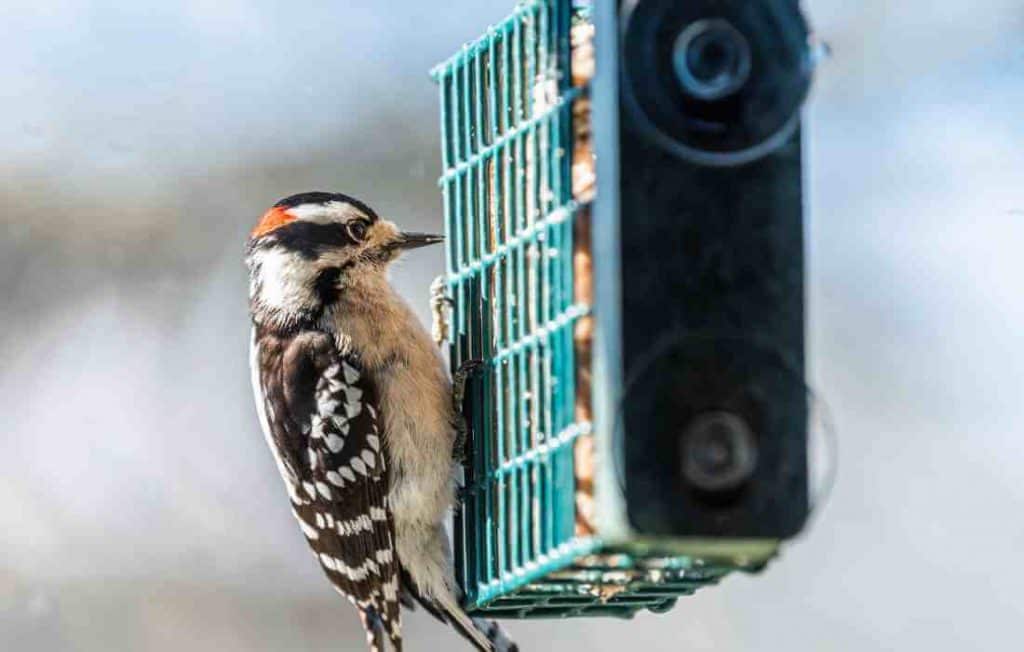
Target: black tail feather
[(374, 627)]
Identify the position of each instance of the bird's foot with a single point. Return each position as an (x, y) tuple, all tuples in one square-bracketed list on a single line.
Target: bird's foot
[(461, 376)]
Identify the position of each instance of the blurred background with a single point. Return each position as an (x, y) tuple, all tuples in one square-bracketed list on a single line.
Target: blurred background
[(139, 507)]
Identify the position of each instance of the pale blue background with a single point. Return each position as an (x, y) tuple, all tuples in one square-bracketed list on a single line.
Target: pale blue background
[(139, 509)]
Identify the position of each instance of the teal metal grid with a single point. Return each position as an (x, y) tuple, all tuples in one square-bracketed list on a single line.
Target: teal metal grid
[(506, 132), (506, 103)]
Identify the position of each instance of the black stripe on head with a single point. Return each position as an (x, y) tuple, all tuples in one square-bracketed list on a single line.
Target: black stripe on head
[(326, 285), (308, 239), (323, 198)]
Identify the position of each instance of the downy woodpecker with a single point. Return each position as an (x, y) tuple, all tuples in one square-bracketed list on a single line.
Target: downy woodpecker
[(355, 403)]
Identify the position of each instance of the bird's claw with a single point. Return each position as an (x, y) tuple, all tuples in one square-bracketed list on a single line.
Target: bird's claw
[(461, 376)]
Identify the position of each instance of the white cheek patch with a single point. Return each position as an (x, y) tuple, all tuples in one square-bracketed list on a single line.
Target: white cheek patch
[(286, 280)]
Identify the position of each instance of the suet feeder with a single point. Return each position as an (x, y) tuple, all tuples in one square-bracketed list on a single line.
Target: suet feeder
[(621, 186)]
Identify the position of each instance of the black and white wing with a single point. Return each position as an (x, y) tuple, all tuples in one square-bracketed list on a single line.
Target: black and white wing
[(319, 413)]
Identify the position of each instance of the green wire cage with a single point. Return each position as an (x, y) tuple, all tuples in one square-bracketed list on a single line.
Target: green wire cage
[(531, 536)]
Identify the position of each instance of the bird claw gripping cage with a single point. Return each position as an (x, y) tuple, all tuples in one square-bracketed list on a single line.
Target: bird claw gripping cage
[(543, 527)]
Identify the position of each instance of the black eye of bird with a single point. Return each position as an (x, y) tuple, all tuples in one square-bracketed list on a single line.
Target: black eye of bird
[(357, 230)]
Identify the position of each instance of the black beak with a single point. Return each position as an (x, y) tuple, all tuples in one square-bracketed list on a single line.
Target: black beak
[(416, 240)]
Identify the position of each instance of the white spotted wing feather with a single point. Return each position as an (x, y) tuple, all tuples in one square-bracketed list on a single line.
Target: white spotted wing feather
[(330, 451)]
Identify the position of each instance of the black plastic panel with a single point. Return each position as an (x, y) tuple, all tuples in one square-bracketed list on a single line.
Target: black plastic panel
[(713, 420)]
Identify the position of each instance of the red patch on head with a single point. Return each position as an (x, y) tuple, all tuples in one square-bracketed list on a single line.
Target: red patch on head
[(273, 219)]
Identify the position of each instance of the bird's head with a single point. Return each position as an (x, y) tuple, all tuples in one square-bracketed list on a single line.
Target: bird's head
[(308, 248)]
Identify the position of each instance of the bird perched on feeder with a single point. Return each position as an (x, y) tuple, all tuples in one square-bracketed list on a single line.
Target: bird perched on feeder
[(356, 405)]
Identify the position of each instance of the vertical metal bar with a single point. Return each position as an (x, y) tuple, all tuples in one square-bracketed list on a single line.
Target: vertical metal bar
[(515, 320), (449, 225), (498, 83), (446, 157), (487, 89), (485, 86), (494, 68), (517, 80), (566, 485), (506, 125), (484, 218), (520, 252), (544, 379), (526, 502), (462, 312), (544, 76), (530, 144), (498, 219), (461, 152), (561, 174), (551, 430), (530, 23), (455, 104), (464, 556), (467, 138), (508, 34), (542, 175), (446, 153), (505, 291), (498, 369), (475, 127), (494, 316), (545, 386), (563, 501), (527, 488), (479, 127), (569, 365), (478, 217), (476, 445), (542, 461), (495, 211), (487, 442), (541, 158), (512, 289), (516, 143), (472, 104), (534, 293), (462, 562), (555, 360), (458, 309), (525, 81), (515, 552)]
